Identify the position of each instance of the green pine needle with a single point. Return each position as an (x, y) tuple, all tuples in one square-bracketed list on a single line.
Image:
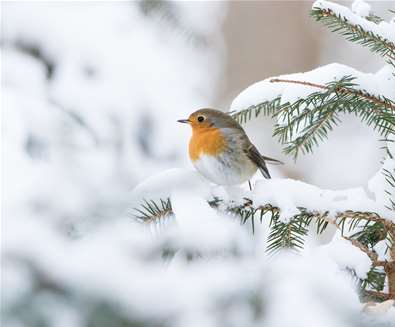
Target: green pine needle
[(267, 108), (309, 120), (151, 211), (355, 33)]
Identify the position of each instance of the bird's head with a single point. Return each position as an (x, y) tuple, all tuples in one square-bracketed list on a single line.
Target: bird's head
[(205, 119)]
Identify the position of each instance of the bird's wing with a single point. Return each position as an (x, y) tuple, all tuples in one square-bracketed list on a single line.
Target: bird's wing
[(253, 153), (238, 135)]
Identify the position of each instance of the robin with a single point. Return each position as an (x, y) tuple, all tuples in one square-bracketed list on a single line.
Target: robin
[(220, 149)]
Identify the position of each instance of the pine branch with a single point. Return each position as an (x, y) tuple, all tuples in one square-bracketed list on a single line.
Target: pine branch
[(283, 234), (291, 234), (358, 216), (374, 227), (153, 212), (355, 33), (311, 118), (267, 108), (387, 103), (375, 280), (288, 235)]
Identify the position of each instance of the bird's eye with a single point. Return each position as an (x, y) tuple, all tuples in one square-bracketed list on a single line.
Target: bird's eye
[(200, 119)]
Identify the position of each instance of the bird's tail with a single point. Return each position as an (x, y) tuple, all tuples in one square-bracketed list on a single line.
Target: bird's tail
[(265, 172), (263, 168), (272, 161)]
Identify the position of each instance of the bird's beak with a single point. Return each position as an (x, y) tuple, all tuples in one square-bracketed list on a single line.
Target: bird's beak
[(185, 121)]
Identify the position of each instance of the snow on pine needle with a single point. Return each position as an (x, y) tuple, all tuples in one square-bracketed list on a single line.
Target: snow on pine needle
[(307, 105)]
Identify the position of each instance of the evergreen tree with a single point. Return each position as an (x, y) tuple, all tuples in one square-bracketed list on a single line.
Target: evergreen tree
[(305, 120)]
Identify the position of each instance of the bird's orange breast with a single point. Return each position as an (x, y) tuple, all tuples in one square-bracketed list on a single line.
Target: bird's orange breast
[(206, 141)]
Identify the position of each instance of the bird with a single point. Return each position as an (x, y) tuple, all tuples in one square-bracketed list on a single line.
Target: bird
[(220, 149)]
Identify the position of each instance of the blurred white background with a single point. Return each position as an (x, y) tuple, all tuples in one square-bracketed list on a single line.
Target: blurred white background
[(91, 95)]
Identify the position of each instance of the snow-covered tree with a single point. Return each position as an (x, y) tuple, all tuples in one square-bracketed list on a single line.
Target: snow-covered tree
[(79, 79), (307, 106)]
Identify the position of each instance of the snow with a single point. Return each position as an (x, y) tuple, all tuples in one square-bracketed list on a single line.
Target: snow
[(381, 248), (102, 112), (301, 287), (266, 91), (228, 270), (384, 308), (379, 186), (89, 93), (77, 138), (287, 194), (321, 270), (290, 194), (347, 256), (165, 183), (361, 8), (390, 143), (383, 29), (82, 131)]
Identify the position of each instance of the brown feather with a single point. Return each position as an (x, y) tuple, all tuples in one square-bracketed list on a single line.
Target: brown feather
[(253, 153)]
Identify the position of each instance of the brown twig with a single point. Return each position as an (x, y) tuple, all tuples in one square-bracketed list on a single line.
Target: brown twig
[(376, 294), (338, 89), (389, 268)]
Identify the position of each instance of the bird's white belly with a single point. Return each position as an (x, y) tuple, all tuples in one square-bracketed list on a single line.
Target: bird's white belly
[(223, 170)]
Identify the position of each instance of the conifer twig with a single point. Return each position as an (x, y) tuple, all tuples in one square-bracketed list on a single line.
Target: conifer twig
[(355, 32), (338, 89), (291, 234)]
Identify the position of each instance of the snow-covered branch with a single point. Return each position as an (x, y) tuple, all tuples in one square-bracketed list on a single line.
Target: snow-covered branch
[(378, 36)]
